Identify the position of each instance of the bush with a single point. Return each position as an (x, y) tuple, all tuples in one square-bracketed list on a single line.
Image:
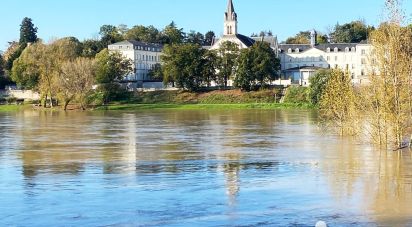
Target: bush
[(11, 100), (295, 94)]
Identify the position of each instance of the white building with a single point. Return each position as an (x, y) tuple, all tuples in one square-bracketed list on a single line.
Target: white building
[(144, 57), (300, 61)]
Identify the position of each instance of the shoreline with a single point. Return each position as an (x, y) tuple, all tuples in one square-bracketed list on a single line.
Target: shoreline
[(240, 106)]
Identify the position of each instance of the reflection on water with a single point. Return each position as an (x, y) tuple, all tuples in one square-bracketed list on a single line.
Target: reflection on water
[(170, 168)]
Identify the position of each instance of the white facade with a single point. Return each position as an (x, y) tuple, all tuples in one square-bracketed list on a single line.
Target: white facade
[(345, 56), (143, 55)]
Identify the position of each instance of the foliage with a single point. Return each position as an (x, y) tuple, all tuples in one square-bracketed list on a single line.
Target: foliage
[(303, 37), (91, 47), (172, 34), (183, 64), (209, 37), (28, 33), (388, 98), (111, 67), (226, 62), (12, 53), (1, 65), (109, 34), (4, 81), (298, 95), (256, 67), (25, 71), (318, 84), (195, 38), (142, 33), (156, 73), (76, 81), (337, 104), (353, 32)]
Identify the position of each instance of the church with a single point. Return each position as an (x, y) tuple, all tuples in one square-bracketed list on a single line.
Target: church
[(231, 34), (300, 61)]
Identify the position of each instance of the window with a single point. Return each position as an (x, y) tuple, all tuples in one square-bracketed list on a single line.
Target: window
[(363, 52), (289, 50), (336, 58), (328, 58), (328, 50), (363, 61), (353, 49), (335, 50), (347, 49), (362, 73), (297, 50)]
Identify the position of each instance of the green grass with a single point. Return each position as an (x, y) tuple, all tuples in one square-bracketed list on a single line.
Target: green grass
[(267, 106), (10, 108)]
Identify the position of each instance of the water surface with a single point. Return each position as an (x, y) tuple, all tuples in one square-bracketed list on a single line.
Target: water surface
[(194, 168)]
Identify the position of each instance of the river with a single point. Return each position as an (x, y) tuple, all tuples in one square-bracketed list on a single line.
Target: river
[(194, 168)]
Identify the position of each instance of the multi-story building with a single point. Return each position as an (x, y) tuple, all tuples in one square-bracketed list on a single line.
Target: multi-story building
[(143, 55), (300, 61)]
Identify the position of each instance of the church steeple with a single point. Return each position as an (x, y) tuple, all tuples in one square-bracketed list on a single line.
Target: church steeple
[(230, 25)]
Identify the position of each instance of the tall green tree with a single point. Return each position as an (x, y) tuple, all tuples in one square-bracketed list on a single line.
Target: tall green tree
[(91, 47), (172, 34), (1, 65), (183, 64), (318, 84), (209, 36), (195, 38), (353, 32), (28, 32), (109, 34), (227, 57), (142, 33), (256, 67), (111, 67)]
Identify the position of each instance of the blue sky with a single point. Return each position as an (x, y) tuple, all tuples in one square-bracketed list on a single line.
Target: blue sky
[(82, 18)]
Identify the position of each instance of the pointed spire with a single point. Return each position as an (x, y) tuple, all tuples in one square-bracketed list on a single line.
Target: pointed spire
[(230, 8)]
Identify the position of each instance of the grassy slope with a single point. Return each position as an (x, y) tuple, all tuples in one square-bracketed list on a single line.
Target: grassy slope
[(231, 99), (10, 108)]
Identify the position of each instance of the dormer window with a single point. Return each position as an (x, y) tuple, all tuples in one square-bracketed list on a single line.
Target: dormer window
[(297, 50), (328, 50), (290, 50), (353, 49), (335, 50), (347, 49)]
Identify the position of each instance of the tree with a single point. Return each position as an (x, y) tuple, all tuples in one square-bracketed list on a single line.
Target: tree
[(156, 73), (209, 70), (389, 101), (337, 104), (28, 33), (227, 56), (353, 32), (76, 80), (209, 37), (256, 67), (12, 53), (141, 33), (109, 34), (111, 67), (25, 71), (300, 38), (195, 38), (1, 65), (318, 84), (172, 34), (183, 64), (91, 47)]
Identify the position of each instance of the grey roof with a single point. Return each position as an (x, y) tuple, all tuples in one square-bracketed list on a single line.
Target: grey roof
[(272, 40), (323, 47), (138, 43), (246, 40)]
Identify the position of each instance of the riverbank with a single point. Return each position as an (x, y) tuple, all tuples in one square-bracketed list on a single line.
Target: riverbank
[(266, 106), (10, 108)]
